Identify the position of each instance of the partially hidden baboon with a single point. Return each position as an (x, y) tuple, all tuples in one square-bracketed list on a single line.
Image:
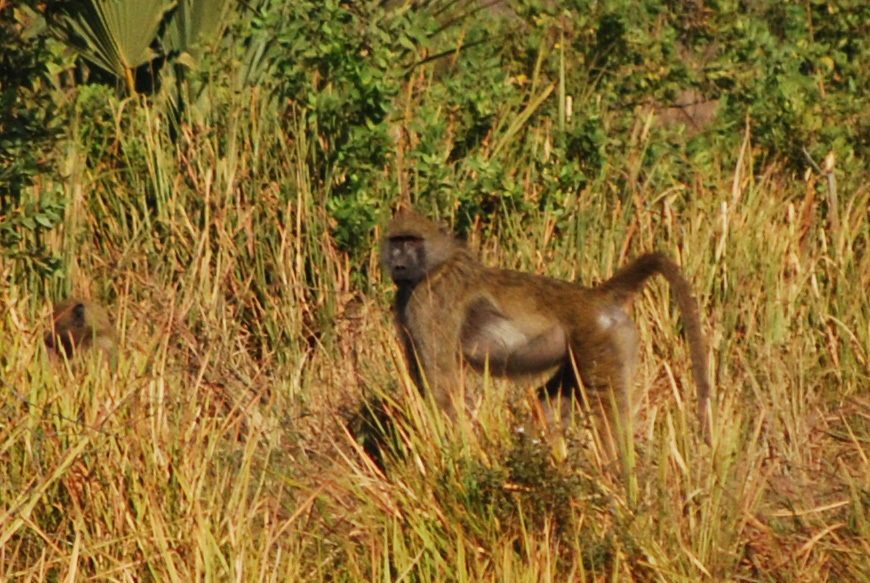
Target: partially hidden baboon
[(450, 309), (81, 325)]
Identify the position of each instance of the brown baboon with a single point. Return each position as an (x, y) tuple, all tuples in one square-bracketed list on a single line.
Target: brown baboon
[(79, 326), (451, 309)]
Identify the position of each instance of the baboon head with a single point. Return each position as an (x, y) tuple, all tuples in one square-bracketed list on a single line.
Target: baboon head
[(414, 246), (78, 325)]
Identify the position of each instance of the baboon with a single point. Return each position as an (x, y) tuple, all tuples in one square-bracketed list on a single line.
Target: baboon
[(81, 325), (450, 309)]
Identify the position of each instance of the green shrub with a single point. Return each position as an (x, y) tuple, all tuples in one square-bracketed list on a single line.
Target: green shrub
[(31, 122)]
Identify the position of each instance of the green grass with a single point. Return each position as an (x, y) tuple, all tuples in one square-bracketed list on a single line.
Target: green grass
[(219, 449)]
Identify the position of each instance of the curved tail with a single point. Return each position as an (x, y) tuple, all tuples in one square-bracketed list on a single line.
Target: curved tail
[(630, 279)]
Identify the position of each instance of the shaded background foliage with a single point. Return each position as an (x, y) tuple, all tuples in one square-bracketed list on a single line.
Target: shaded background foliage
[(31, 122)]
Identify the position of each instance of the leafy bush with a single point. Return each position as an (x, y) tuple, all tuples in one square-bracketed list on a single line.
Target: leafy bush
[(339, 65), (795, 69), (30, 124)]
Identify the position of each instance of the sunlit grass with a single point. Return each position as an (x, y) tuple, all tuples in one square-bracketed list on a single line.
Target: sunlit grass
[(220, 448)]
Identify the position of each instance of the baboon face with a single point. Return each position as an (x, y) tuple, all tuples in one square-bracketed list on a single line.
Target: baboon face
[(70, 330), (406, 259), (413, 247)]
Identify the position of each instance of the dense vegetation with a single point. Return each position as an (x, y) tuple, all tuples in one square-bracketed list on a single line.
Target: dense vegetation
[(216, 173)]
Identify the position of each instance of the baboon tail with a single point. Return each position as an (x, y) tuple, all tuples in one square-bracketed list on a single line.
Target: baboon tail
[(688, 305), (629, 280)]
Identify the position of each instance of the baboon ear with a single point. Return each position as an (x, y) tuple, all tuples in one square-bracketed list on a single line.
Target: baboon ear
[(79, 315)]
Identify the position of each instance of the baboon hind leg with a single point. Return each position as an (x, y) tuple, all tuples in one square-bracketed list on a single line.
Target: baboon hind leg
[(606, 375)]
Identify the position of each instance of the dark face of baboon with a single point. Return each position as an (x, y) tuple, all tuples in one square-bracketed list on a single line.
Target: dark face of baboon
[(406, 260), (413, 246), (77, 326)]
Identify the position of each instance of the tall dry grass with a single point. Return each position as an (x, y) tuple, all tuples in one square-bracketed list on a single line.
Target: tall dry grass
[(219, 448)]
